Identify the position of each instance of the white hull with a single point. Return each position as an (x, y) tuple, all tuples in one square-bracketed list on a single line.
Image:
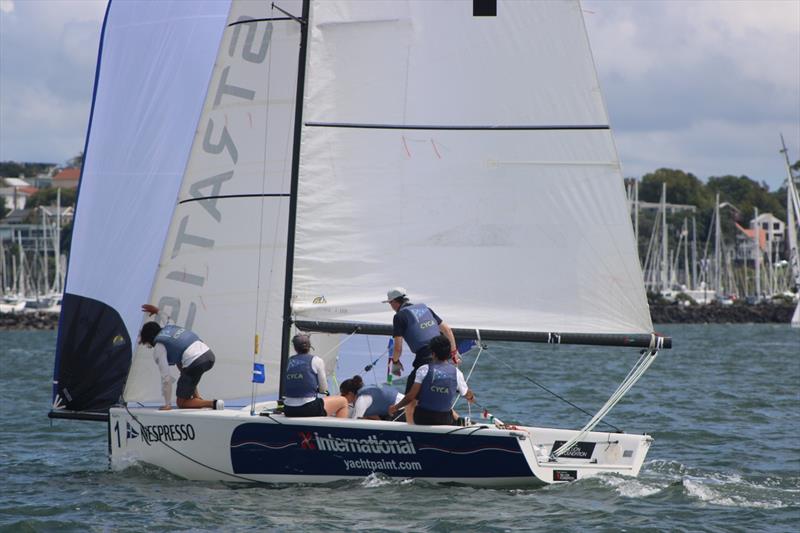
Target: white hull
[(232, 445), (16, 307)]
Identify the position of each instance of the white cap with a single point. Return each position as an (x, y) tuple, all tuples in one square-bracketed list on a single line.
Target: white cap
[(393, 294)]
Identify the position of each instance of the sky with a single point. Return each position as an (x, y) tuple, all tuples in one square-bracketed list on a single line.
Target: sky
[(705, 86)]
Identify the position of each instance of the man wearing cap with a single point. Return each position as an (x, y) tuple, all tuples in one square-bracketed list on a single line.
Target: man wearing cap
[(304, 379), (417, 324)]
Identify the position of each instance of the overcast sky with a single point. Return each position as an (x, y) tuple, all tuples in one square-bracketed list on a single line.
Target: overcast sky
[(704, 86)]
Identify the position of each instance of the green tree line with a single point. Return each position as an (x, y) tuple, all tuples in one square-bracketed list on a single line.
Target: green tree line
[(741, 193)]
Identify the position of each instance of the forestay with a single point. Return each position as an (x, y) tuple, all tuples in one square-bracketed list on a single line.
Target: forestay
[(468, 159), (221, 271)]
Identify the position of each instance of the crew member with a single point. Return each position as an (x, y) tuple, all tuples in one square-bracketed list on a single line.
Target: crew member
[(371, 403), (304, 378), (436, 387), (174, 345), (417, 324)]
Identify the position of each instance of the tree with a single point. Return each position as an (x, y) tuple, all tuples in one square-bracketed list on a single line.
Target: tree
[(66, 238), (12, 169), (48, 197), (682, 188), (3, 209), (76, 161), (747, 194)]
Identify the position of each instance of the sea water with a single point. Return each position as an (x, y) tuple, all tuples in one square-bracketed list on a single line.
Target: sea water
[(723, 407)]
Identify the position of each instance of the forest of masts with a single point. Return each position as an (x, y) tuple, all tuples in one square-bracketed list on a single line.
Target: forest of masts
[(725, 256)]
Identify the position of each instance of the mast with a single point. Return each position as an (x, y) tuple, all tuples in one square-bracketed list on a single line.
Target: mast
[(717, 249), (664, 243), (46, 284), (757, 256), (694, 252), (298, 127), (687, 275), (57, 244), (792, 218), (636, 215)]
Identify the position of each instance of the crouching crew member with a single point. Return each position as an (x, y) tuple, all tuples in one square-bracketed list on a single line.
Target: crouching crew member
[(177, 346), (368, 402), (304, 378), (436, 387)]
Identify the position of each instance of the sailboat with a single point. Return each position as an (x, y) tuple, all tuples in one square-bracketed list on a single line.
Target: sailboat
[(257, 168), (792, 223)]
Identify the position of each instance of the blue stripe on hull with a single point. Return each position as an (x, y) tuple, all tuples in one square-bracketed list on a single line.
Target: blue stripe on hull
[(326, 451)]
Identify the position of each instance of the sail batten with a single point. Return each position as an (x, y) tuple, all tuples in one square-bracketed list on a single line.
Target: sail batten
[(512, 127)]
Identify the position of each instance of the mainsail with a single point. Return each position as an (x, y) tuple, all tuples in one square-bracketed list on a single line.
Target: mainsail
[(468, 159)]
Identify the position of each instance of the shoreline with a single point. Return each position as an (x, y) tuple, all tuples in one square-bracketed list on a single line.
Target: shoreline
[(661, 314)]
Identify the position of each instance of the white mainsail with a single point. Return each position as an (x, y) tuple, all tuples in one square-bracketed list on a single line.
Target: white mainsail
[(467, 159), (222, 267)]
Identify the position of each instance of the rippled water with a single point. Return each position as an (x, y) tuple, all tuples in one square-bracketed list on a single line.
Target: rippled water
[(723, 406)]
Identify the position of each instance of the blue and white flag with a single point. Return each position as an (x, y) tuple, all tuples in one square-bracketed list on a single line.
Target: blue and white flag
[(259, 373)]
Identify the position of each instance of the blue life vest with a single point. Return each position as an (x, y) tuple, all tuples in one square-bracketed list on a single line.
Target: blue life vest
[(175, 339), (382, 398), (301, 381), (439, 389), (421, 326)]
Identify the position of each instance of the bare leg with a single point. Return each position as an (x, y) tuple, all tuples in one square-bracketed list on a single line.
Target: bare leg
[(336, 406), (194, 403)]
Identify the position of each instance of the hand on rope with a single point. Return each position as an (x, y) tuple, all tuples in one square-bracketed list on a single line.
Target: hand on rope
[(397, 367)]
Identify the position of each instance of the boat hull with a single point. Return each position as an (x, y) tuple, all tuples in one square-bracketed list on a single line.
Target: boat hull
[(234, 446)]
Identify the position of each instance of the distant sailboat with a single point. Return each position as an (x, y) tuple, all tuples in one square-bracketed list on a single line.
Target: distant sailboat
[(792, 222), (249, 190)]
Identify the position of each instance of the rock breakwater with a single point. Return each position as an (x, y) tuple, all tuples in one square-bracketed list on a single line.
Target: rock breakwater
[(28, 321)]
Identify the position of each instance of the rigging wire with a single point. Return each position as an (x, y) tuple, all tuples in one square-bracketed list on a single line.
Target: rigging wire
[(584, 411), (645, 360), (372, 366), (256, 339)]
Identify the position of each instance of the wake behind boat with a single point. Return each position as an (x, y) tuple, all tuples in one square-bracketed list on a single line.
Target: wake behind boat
[(461, 151)]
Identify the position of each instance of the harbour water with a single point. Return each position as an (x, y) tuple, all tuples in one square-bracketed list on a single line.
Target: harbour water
[(723, 407)]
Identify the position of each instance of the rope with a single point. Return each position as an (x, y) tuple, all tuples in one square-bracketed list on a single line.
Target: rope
[(645, 360), (584, 411), (256, 340), (338, 345), (475, 362), (195, 461), (480, 351)]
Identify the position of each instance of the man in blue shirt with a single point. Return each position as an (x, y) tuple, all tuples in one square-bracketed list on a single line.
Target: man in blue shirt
[(416, 324)]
